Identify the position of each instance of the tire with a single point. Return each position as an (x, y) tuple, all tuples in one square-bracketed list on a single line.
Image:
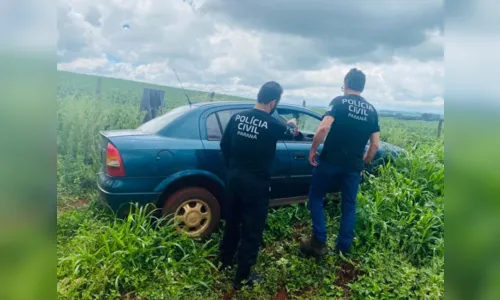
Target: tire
[(199, 209)]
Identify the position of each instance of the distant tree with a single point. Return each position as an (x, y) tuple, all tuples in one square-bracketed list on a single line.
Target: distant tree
[(430, 117)]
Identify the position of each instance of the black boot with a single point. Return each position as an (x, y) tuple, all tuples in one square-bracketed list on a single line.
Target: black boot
[(226, 262), (252, 279), (245, 277), (313, 247), (344, 253)]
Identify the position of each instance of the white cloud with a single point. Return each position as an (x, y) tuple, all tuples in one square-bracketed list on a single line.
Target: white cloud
[(84, 65), (215, 54)]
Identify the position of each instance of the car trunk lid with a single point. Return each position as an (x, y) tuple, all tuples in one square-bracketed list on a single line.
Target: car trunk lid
[(108, 136)]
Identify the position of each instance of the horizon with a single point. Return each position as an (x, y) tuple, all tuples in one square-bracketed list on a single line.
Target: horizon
[(296, 102)]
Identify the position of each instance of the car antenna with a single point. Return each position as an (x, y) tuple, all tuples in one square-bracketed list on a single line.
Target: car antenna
[(187, 97)]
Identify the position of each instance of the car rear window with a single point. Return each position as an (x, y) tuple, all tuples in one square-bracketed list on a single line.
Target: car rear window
[(157, 124)]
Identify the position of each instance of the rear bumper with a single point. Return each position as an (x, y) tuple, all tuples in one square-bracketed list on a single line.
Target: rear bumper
[(120, 202)]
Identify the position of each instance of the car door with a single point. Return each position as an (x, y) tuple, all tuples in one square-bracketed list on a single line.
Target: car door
[(214, 124), (300, 168), (212, 127)]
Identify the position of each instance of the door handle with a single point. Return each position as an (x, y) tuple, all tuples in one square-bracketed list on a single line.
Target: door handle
[(299, 155)]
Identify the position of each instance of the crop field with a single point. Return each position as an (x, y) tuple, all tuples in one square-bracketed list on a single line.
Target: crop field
[(399, 245)]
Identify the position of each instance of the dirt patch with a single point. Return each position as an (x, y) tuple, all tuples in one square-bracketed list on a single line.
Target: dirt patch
[(300, 227), (304, 294), (69, 205), (132, 296), (79, 203), (229, 295), (298, 230), (282, 294), (347, 273)]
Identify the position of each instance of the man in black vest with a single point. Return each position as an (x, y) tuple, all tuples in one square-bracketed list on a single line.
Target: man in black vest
[(347, 125), (249, 146)]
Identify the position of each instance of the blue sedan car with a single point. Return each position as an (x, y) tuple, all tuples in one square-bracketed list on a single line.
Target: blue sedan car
[(174, 161)]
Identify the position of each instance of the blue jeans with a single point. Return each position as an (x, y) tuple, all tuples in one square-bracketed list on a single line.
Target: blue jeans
[(325, 176)]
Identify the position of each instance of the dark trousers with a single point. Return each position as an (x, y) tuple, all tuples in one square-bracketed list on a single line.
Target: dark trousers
[(324, 176), (246, 211)]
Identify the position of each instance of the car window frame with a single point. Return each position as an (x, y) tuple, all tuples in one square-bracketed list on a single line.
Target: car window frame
[(221, 127), (298, 112), (218, 125)]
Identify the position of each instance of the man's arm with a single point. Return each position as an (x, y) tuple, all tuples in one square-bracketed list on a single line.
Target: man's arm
[(319, 137), (291, 125), (374, 142), (284, 132), (373, 148), (293, 121), (323, 129)]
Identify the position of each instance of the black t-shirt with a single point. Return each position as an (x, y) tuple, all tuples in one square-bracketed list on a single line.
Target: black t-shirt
[(354, 122), (249, 141)]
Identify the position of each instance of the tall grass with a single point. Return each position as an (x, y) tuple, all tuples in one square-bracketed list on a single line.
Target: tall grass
[(104, 258), (403, 207), (79, 123)]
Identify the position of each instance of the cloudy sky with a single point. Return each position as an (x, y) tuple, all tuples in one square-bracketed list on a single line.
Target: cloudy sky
[(233, 47)]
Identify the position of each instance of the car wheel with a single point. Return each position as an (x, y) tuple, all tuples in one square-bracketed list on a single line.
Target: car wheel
[(195, 210)]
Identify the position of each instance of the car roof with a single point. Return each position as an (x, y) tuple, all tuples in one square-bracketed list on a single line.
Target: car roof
[(220, 103), (236, 103)]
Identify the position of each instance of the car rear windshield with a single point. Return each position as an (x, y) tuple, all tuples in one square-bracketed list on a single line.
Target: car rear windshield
[(157, 124)]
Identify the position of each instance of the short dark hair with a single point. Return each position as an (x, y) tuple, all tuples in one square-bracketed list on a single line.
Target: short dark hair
[(269, 91), (355, 80)]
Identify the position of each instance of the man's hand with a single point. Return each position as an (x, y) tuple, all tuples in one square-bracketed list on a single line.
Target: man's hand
[(293, 121), (295, 126), (312, 157)]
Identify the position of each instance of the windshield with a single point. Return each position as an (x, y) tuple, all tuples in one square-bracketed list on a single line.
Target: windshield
[(157, 124)]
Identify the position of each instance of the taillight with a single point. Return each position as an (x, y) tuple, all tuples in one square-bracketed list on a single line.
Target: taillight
[(114, 164)]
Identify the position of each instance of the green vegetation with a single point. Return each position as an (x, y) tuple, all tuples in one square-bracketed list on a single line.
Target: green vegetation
[(398, 252), (117, 91)]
